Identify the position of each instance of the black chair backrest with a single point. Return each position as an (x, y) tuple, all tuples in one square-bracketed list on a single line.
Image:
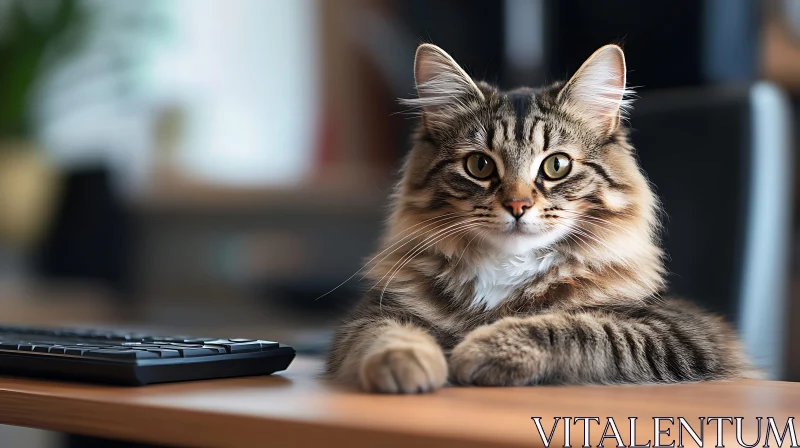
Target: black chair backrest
[(721, 162)]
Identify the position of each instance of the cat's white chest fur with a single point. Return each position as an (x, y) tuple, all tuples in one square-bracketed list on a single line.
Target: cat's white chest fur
[(497, 277)]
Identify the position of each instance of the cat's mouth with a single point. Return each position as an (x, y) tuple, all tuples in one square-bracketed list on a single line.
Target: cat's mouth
[(519, 228), (519, 237), (518, 231)]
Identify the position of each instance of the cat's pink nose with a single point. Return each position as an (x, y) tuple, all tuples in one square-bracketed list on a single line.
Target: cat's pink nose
[(517, 206)]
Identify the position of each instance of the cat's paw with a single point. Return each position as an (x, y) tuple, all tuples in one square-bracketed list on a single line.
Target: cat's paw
[(500, 354), (404, 367)]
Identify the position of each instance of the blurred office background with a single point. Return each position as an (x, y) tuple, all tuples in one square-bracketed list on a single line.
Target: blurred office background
[(213, 167)]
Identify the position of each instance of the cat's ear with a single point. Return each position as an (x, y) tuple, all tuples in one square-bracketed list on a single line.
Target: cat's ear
[(441, 83), (597, 91)]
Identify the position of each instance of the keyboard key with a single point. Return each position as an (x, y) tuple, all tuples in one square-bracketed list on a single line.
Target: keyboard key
[(78, 351), (8, 345), (215, 349), (189, 352), (232, 347), (244, 347), (218, 342), (193, 352), (121, 354), (164, 353), (137, 345), (241, 340), (42, 348)]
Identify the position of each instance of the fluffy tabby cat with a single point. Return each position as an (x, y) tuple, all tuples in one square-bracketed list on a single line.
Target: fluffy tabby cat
[(522, 248)]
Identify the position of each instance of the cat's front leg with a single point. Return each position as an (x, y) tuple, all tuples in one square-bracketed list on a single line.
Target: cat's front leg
[(669, 342), (500, 354), (403, 360), (384, 355), (549, 348)]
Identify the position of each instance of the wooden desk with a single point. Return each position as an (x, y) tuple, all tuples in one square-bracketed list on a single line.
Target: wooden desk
[(297, 409)]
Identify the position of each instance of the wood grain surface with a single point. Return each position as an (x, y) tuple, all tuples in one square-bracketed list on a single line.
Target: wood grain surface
[(297, 408)]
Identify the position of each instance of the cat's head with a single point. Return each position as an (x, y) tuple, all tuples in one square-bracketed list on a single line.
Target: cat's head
[(528, 169)]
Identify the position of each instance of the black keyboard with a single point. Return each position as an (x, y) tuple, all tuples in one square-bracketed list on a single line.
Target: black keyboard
[(134, 359)]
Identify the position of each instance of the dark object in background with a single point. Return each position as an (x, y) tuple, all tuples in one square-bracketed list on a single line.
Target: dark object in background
[(91, 235), (668, 44), (696, 154), (471, 31), (721, 161)]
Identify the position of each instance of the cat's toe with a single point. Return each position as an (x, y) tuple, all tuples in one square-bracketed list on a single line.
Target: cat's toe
[(495, 356), (404, 368)]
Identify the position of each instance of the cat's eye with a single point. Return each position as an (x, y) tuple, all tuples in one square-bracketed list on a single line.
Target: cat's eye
[(556, 166), (479, 166)]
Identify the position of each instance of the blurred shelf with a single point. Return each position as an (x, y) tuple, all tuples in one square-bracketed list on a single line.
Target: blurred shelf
[(351, 191), (59, 304)]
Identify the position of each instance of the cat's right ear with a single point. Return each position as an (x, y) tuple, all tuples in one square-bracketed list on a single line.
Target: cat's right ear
[(441, 83)]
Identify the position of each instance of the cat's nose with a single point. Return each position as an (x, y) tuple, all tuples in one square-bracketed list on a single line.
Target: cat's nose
[(517, 206)]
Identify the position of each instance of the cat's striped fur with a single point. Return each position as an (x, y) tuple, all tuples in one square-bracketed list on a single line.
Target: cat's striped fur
[(567, 293)]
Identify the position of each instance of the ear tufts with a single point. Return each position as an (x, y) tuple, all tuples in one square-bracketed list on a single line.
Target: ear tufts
[(441, 82), (597, 92)]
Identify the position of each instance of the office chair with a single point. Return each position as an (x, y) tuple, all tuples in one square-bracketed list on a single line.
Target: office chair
[(721, 161)]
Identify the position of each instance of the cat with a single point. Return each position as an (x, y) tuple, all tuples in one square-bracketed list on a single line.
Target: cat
[(522, 248)]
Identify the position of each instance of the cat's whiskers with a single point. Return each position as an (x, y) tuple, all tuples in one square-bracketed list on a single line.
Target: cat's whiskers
[(435, 219), (413, 256), (600, 239), (644, 281), (599, 221), (578, 240), (422, 243), (437, 224), (578, 233), (467, 246), (574, 237), (463, 227), (408, 258), (429, 242), (596, 238), (581, 219)]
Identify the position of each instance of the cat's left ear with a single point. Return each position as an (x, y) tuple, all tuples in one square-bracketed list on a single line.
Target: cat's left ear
[(597, 90), (441, 83)]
